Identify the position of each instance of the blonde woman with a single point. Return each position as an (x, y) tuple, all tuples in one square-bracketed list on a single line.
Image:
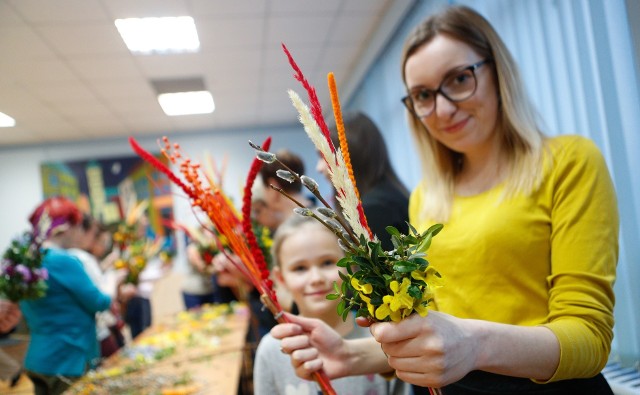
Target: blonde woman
[(530, 243)]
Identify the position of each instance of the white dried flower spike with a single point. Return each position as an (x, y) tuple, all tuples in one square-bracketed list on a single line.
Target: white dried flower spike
[(285, 175), (266, 157), (310, 183), (305, 212)]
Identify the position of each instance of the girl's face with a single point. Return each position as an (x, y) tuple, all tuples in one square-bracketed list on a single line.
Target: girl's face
[(464, 126), (308, 269)]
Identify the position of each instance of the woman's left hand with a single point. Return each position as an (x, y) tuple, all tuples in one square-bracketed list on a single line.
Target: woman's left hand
[(430, 351)]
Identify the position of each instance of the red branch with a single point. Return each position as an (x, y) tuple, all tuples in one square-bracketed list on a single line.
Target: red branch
[(246, 219), (160, 166), (316, 108)]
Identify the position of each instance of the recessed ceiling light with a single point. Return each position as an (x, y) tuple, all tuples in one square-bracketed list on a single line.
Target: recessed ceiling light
[(159, 35), (6, 121), (186, 103)]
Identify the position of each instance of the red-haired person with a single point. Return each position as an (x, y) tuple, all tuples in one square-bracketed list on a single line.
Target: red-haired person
[(62, 323)]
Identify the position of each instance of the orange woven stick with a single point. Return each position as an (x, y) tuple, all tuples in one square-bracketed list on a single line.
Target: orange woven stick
[(344, 147)]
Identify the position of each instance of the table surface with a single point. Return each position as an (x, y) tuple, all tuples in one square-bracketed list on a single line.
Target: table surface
[(196, 352)]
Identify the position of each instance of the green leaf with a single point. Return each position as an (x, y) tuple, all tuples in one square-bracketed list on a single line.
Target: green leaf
[(405, 266), (376, 300), (335, 287), (393, 231), (415, 292), (413, 230), (333, 296), (344, 262), (435, 229), (343, 276), (345, 314), (396, 241), (363, 262), (341, 307)]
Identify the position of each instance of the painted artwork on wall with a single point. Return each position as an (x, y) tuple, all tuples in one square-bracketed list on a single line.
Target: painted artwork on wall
[(108, 188)]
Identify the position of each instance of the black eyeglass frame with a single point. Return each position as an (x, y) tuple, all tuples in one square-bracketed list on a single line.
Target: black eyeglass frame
[(408, 102)]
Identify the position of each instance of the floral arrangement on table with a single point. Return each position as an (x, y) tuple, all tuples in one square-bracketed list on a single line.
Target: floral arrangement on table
[(135, 249), (140, 366), (380, 285), (21, 273)]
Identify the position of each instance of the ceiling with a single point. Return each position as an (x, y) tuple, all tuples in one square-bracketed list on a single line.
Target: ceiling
[(65, 73)]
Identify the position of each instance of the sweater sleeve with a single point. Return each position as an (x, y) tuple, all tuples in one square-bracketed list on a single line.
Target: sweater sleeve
[(263, 373), (584, 254), (76, 281)]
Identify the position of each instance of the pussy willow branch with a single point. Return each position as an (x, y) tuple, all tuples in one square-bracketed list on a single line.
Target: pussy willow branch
[(317, 194), (334, 230)]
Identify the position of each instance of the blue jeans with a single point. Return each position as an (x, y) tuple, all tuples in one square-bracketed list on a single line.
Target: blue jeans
[(192, 300), (138, 315)]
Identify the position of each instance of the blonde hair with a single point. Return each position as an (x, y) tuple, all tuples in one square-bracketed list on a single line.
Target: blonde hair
[(517, 126), (292, 225)]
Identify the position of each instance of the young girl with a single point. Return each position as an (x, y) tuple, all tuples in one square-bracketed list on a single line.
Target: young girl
[(305, 255)]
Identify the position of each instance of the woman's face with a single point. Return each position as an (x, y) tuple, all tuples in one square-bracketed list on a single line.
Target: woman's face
[(464, 126), (308, 269)]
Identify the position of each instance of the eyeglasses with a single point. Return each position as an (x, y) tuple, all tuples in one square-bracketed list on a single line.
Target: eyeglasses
[(458, 85)]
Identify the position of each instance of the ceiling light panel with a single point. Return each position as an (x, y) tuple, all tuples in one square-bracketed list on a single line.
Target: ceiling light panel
[(159, 35), (6, 121)]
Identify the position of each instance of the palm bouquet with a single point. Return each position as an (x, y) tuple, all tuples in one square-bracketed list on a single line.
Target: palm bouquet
[(380, 285), (21, 273), (207, 197), (135, 249)]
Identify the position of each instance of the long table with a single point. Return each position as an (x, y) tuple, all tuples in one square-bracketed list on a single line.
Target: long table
[(195, 352)]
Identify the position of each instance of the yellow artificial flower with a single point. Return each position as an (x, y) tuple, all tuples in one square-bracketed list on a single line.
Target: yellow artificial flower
[(401, 297), (383, 311), (422, 306), (363, 288), (367, 300), (397, 306), (430, 276)]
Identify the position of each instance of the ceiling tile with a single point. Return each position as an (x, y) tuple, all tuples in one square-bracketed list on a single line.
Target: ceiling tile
[(128, 89), (59, 92), (304, 7), (105, 68), (216, 34), (8, 16), (169, 66), (146, 8), (38, 11), (76, 39), (229, 8), (302, 30), (22, 43)]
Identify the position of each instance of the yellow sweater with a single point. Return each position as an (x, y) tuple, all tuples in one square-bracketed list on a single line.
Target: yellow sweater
[(544, 259)]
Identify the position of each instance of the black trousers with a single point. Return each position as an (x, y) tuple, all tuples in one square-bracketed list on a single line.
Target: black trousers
[(483, 383)]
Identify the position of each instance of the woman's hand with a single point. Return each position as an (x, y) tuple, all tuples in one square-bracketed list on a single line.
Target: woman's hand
[(10, 315), (430, 351)]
